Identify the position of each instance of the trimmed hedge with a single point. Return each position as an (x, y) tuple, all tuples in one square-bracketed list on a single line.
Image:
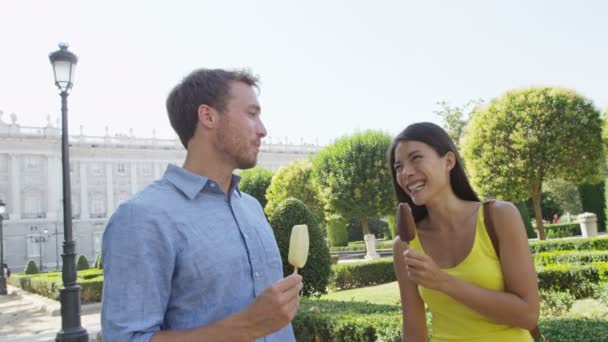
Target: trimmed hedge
[(31, 268), (361, 274), (593, 201), (561, 230), (49, 284), (578, 280), (580, 244), (359, 246), (321, 320), (82, 263), (570, 257)]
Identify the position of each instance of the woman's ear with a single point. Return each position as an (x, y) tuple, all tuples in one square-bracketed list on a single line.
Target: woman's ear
[(450, 159)]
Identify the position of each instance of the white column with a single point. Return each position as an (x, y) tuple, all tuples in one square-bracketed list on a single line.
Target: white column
[(15, 179), (133, 170), (84, 191), (53, 186), (109, 189)]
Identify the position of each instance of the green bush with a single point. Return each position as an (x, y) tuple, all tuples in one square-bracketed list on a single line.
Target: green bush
[(319, 320), (574, 329), (295, 180), (31, 268), (392, 225), (82, 263), (336, 231), (317, 270), (561, 230), (361, 274), (98, 263), (578, 280), (49, 284), (601, 293), (255, 182), (593, 201), (597, 243), (555, 303), (570, 257), (525, 216)]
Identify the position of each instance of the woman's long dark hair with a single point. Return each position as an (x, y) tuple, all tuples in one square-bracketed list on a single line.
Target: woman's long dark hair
[(434, 136)]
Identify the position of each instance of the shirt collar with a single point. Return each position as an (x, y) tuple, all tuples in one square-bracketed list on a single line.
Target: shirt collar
[(192, 184)]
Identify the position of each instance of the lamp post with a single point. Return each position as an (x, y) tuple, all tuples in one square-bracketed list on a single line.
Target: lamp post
[(64, 63), (3, 290)]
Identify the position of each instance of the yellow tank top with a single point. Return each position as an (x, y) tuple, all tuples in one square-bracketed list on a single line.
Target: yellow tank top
[(454, 321)]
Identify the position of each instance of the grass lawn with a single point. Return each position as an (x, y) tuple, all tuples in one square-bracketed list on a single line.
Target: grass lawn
[(379, 294)]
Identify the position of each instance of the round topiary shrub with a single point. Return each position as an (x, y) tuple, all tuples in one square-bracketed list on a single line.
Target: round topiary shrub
[(82, 263), (31, 268), (317, 270)]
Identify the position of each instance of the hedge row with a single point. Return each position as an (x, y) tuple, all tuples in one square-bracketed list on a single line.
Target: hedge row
[(598, 243), (560, 230), (360, 247), (569, 257), (361, 274), (49, 284), (579, 280), (320, 320)]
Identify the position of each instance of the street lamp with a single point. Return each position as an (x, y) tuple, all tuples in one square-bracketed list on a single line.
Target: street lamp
[(64, 63), (3, 290)]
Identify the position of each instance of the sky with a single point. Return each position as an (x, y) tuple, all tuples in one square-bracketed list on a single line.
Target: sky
[(328, 68)]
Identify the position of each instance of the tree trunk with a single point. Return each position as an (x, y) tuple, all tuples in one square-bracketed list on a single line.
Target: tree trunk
[(538, 215), (365, 227)]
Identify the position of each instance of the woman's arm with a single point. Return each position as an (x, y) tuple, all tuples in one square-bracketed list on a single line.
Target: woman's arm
[(519, 304), (413, 314)]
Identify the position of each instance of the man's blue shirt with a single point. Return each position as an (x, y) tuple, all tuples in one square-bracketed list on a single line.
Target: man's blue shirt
[(182, 254)]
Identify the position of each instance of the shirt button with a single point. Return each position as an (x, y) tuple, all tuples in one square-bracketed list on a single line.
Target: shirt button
[(246, 237), (257, 274), (212, 185)]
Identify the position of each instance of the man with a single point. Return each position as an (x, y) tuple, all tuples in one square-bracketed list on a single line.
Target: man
[(191, 258)]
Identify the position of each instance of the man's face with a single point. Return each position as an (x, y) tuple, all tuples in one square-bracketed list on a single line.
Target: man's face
[(240, 128)]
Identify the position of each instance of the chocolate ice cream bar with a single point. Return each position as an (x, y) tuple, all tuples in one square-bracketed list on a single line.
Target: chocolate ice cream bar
[(405, 223)]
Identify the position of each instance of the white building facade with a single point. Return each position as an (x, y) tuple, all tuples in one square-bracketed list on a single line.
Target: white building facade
[(104, 171)]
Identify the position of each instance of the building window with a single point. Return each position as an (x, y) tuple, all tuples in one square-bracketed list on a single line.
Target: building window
[(97, 243), (33, 248), (32, 204), (121, 168), (98, 207)]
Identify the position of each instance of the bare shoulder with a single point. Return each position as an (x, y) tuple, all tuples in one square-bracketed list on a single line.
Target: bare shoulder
[(506, 218)]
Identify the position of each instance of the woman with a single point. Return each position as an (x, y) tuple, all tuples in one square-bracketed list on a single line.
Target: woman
[(451, 265)]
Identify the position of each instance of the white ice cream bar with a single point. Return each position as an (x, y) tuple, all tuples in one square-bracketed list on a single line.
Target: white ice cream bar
[(298, 245)]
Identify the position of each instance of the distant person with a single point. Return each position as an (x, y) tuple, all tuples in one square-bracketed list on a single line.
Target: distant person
[(451, 265), (191, 258), (6, 270), (555, 218)]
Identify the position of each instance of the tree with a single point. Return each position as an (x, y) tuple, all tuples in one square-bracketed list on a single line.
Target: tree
[(354, 178), (531, 135), (255, 182), (295, 180), (455, 119), (565, 194)]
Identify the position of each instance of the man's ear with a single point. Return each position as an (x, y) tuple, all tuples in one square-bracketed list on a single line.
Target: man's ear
[(450, 160), (207, 116)]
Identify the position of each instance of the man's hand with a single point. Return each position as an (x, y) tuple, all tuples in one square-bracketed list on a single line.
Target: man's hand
[(275, 307)]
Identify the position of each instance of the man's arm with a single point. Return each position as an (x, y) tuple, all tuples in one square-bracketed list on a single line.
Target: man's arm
[(271, 311)]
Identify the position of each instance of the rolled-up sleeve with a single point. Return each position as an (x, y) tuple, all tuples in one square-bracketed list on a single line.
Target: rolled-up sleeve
[(138, 260)]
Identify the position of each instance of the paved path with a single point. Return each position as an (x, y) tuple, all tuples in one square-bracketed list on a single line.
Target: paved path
[(32, 318)]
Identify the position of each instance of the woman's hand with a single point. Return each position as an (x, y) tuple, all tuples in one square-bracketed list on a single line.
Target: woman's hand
[(422, 270)]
